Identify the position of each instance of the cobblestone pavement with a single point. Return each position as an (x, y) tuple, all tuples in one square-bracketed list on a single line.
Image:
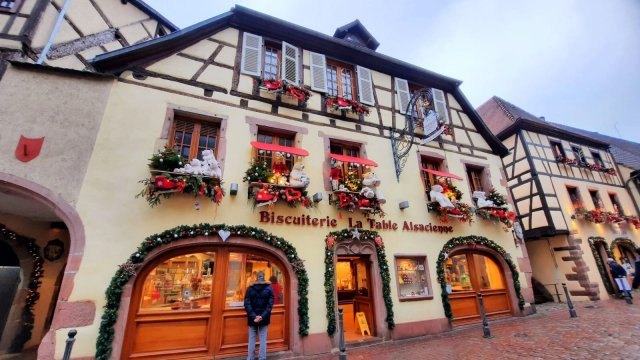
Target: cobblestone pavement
[(603, 330)]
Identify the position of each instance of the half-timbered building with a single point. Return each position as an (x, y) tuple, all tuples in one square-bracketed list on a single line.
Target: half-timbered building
[(572, 199), (183, 165)]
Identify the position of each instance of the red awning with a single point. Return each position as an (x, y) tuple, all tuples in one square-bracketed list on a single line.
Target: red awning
[(442, 174), (280, 148), (353, 159)]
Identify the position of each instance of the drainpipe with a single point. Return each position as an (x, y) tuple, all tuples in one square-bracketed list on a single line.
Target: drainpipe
[(54, 32), (626, 185)]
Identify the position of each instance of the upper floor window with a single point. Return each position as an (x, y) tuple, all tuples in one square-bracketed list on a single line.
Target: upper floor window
[(340, 80), (597, 159), (617, 208), (191, 136), (10, 6), (475, 176), (429, 179), (595, 198), (574, 196), (578, 154), (282, 139), (558, 150), (343, 170), (269, 60)]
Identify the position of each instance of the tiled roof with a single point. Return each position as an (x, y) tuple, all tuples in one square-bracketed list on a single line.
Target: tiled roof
[(625, 152), (514, 112)]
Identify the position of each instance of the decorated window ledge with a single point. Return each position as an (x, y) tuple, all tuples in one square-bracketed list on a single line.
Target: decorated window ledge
[(593, 167), (283, 87), (354, 191), (337, 103), (447, 202), (171, 174), (605, 217), (494, 207), (269, 185)]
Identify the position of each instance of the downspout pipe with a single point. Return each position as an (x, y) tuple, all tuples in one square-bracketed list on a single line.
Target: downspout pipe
[(54, 32), (634, 175)]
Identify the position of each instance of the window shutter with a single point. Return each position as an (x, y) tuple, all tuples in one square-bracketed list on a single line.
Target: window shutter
[(402, 89), (318, 72), (290, 63), (251, 54), (365, 86), (440, 104)]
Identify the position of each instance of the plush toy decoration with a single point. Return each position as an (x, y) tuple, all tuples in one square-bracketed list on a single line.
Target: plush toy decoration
[(211, 164), (367, 192), (298, 178), (372, 181), (437, 195), (195, 167), (279, 169), (336, 175), (482, 202)]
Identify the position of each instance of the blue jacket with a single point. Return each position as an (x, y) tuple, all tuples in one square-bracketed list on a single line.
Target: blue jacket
[(617, 271), (258, 300)]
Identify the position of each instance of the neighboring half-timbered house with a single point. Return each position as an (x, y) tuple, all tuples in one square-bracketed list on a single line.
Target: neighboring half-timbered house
[(571, 198), (352, 179)]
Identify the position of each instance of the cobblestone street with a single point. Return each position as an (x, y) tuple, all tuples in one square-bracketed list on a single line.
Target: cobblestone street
[(602, 330)]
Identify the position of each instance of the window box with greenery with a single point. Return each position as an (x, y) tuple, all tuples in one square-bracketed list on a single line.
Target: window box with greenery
[(604, 217), (494, 208), (593, 167), (446, 202), (413, 280), (354, 184), (273, 176), (291, 90)]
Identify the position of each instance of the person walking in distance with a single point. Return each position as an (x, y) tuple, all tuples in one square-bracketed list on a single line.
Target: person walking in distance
[(619, 274), (636, 274), (258, 301)]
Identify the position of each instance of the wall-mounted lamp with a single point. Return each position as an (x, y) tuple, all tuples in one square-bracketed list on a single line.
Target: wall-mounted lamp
[(317, 197), (403, 205), (208, 92), (233, 189)]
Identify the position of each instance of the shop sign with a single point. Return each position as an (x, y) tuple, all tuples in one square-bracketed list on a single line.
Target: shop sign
[(267, 217)]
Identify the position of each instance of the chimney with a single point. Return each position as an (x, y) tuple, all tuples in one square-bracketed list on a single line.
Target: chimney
[(542, 118)]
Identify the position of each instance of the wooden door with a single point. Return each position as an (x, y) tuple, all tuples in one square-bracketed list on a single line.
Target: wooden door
[(468, 274), (363, 299), (212, 323)]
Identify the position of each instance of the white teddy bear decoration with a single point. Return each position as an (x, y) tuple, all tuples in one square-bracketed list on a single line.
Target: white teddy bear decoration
[(482, 202), (207, 167), (370, 183), (437, 195), (298, 178)]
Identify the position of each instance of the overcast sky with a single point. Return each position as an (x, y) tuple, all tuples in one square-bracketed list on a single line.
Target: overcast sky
[(575, 62)]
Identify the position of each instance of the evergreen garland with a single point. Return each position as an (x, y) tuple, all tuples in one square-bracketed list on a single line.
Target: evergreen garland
[(472, 240), (257, 172), (124, 274), (352, 181), (498, 199), (622, 241), (329, 274), (37, 271), (593, 241), (167, 159)]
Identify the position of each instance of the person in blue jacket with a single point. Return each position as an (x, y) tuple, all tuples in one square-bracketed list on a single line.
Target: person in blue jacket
[(619, 274), (258, 301)]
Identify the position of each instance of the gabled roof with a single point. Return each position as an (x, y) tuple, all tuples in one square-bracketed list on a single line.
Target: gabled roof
[(242, 18), (361, 33), (504, 119), (145, 8), (625, 152)]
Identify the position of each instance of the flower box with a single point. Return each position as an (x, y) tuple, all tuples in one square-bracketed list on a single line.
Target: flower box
[(345, 200), (337, 103)]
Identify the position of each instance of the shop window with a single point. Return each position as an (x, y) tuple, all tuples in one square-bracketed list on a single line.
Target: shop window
[(617, 208), (428, 178), (9, 6), (242, 272), (340, 80), (597, 159), (558, 150), (191, 136), (180, 283), (475, 175), (574, 195), (266, 156), (472, 272), (413, 278), (579, 155), (345, 173), (595, 198)]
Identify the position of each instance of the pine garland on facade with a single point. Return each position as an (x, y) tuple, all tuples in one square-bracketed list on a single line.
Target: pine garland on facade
[(329, 274), (124, 274), (472, 241)]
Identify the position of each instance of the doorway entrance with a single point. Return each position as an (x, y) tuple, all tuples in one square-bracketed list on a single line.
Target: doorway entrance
[(190, 304), (355, 295), (9, 282), (469, 273)]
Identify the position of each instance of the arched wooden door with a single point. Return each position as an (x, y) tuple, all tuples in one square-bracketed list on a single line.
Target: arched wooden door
[(9, 281), (468, 273), (189, 305)]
